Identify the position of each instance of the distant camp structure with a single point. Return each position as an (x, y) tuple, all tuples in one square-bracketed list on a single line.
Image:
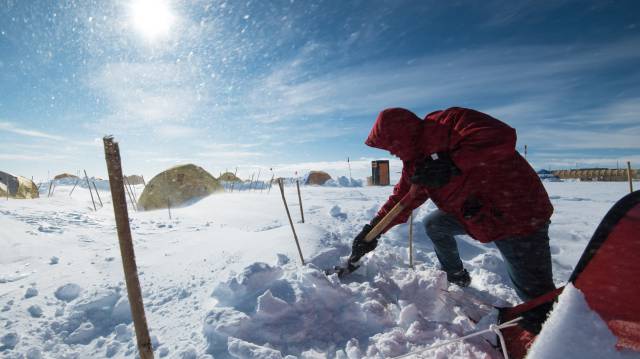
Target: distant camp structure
[(229, 177), (379, 173), (64, 175), (548, 176), (597, 174), (135, 180), (17, 187), (317, 178), (178, 186)]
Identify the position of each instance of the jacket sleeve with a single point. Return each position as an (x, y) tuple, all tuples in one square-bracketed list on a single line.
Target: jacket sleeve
[(399, 191), (477, 138)]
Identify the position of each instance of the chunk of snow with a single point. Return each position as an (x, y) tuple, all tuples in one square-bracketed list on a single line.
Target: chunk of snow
[(9, 341), (241, 349), (35, 311), (30, 293), (68, 292), (573, 330)]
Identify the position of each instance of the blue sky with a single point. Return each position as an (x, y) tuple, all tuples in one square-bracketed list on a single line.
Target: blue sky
[(298, 84)]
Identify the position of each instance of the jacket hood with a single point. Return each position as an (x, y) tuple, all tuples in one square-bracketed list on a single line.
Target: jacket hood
[(396, 130)]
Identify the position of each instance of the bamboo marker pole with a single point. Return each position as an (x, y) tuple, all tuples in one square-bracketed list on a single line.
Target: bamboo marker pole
[(295, 236), (251, 181), (257, 178), (90, 192), (271, 183), (74, 186), (300, 200), (114, 166), (411, 241), (169, 208), (98, 194), (629, 177), (233, 183), (132, 194), (133, 205)]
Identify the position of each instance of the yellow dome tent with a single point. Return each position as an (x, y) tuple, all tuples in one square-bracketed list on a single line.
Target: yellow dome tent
[(18, 187), (178, 186)]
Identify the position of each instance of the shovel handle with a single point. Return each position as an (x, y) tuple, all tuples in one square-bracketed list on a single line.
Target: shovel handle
[(393, 213)]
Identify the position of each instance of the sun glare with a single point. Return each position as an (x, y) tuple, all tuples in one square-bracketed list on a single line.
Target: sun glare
[(152, 18)]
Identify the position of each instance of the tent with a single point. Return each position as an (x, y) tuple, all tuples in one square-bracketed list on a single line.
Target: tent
[(64, 175), (135, 180), (177, 186), (229, 177), (317, 178), (607, 276), (17, 186)]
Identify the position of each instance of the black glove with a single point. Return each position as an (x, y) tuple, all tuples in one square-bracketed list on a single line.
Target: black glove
[(436, 171), (360, 247)]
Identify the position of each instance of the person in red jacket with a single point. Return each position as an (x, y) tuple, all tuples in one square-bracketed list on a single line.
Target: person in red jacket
[(465, 162)]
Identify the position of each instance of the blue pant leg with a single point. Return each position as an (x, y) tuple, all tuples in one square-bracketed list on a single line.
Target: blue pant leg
[(441, 228), (528, 261)]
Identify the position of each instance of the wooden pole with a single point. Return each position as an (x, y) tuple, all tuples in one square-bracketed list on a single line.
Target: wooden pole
[(98, 194), (300, 200), (90, 192), (114, 166), (411, 241), (295, 236), (629, 176), (74, 186), (50, 186)]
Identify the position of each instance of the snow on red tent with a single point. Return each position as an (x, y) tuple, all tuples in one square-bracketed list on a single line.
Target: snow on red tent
[(601, 300)]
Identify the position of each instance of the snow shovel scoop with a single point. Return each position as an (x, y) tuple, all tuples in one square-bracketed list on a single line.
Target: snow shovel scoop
[(350, 267)]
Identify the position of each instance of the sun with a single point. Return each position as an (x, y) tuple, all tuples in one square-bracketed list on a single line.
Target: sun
[(152, 19)]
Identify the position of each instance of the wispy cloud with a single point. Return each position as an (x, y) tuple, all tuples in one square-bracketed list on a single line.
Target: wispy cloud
[(10, 127), (450, 78)]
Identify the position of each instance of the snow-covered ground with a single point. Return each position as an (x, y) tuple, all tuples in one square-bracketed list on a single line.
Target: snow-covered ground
[(223, 278)]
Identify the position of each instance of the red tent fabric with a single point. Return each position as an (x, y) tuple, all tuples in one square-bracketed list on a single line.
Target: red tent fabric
[(606, 274)]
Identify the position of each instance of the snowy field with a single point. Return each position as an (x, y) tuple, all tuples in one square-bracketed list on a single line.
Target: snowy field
[(223, 279)]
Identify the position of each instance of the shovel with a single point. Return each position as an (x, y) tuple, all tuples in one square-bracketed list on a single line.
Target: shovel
[(349, 267)]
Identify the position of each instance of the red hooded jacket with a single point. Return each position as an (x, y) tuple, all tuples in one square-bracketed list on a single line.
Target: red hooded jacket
[(512, 200)]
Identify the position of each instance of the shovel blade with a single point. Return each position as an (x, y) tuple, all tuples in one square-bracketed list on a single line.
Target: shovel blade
[(342, 271)]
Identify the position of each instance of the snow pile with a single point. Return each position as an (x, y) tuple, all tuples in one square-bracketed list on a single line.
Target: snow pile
[(271, 312), (95, 315), (343, 181), (575, 331)]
